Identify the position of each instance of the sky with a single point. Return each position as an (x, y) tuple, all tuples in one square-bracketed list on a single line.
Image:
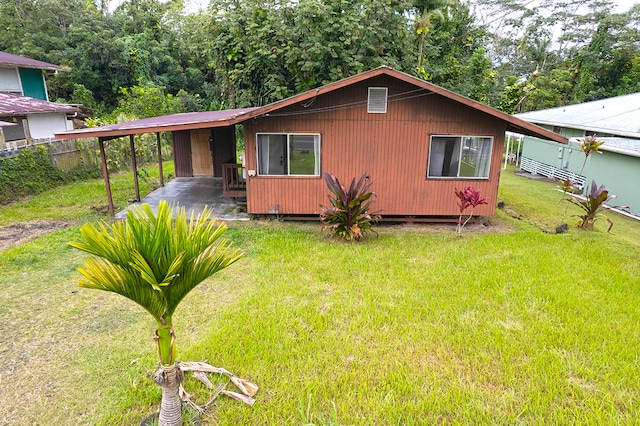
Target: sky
[(624, 5)]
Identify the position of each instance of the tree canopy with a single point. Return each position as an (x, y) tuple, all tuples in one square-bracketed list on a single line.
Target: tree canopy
[(155, 57)]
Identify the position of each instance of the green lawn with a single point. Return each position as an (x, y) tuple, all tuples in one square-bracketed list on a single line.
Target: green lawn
[(505, 325)]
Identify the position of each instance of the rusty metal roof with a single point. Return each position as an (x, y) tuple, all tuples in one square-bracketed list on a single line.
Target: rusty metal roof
[(21, 61), (163, 123), (12, 104), (230, 117), (514, 124)]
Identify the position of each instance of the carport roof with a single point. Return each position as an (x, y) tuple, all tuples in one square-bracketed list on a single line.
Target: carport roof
[(163, 123)]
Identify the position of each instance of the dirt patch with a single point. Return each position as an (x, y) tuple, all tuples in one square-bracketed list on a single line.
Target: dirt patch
[(20, 233)]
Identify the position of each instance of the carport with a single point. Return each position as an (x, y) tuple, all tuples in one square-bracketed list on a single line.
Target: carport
[(205, 139)]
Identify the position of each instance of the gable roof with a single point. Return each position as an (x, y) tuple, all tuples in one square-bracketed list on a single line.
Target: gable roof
[(21, 61), (618, 116), (231, 117), (12, 104), (514, 124)]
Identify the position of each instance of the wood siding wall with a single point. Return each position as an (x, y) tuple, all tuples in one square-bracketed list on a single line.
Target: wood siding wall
[(202, 152), (224, 148), (182, 153), (391, 148)]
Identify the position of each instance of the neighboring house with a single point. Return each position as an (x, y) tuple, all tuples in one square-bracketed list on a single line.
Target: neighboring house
[(25, 76), (616, 121), (36, 120), (24, 101), (417, 142)]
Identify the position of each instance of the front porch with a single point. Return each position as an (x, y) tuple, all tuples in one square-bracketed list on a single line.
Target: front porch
[(194, 193)]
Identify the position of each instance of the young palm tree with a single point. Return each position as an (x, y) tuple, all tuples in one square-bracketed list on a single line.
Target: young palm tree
[(156, 261)]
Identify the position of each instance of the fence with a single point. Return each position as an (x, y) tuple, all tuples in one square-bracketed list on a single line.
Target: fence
[(66, 154), (69, 154)]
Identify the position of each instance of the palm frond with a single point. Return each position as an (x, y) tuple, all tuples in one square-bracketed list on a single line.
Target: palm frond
[(100, 274), (153, 259)]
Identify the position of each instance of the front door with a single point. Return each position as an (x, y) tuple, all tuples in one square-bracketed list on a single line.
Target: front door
[(201, 159)]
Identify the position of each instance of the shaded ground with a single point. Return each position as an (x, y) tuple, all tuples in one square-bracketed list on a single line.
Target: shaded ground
[(20, 233)]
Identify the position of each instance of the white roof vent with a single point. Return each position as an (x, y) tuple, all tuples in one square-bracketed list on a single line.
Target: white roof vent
[(377, 100)]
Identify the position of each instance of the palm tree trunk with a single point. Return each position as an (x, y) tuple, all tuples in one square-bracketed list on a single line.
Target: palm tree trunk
[(169, 378)]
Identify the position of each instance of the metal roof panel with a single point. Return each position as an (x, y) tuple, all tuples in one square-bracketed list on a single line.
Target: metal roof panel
[(12, 104), (619, 115), (228, 117), (21, 61), (163, 123)]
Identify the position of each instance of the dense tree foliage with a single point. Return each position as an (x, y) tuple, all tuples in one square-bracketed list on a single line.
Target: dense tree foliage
[(149, 57), (561, 53)]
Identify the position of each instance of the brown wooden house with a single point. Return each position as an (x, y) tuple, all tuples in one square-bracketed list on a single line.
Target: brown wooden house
[(417, 142)]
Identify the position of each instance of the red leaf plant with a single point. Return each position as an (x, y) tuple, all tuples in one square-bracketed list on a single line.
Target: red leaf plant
[(469, 197)]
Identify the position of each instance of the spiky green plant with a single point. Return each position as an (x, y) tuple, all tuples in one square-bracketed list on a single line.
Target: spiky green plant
[(156, 261), (348, 216)]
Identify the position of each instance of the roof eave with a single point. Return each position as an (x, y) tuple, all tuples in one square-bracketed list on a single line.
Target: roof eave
[(587, 127), (117, 133)]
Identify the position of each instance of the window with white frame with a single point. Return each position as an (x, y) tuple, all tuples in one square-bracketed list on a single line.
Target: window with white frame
[(288, 154), (459, 157)]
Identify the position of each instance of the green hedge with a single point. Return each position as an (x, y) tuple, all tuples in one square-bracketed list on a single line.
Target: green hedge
[(31, 172)]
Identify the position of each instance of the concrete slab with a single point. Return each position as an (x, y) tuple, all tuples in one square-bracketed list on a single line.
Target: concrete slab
[(194, 193)]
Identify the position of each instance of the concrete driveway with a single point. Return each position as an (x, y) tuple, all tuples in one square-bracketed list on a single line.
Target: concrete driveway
[(194, 193)]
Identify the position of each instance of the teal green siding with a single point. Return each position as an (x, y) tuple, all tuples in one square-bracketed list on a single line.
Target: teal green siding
[(567, 157), (620, 174), (33, 83), (617, 172), (572, 133)]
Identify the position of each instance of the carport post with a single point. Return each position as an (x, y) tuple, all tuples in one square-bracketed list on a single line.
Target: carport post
[(105, 174), (134, 165), (160, 159)]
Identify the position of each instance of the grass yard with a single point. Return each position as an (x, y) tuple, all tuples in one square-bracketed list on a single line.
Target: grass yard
[(505, 325)]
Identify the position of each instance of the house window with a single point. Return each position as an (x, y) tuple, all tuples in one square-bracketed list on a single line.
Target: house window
[(288, 154), (459, 157), (377, 102)]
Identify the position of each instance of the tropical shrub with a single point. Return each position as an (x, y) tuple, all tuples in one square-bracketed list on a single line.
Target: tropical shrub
[(348, 216), (469, 197), (592, 206), (155, 261)]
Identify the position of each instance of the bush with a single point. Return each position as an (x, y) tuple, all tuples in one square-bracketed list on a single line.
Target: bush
[(348, 217), (469, 197), (31, 172), (28, 173)]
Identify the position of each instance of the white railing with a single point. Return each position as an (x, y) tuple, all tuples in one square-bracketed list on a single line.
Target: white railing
[(538, 168)]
